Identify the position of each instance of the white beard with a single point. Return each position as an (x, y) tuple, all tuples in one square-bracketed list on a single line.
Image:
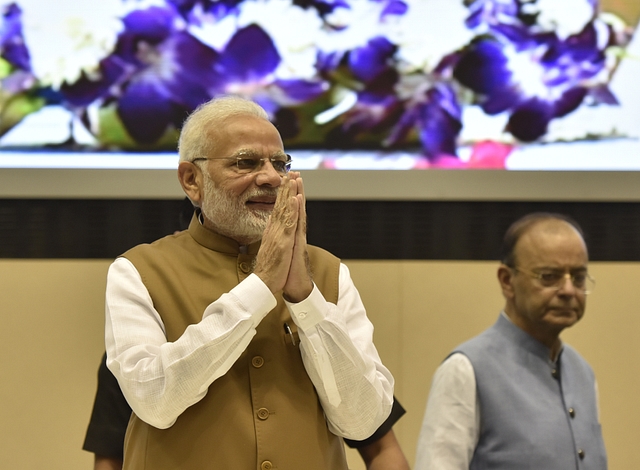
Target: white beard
[(229, 215)]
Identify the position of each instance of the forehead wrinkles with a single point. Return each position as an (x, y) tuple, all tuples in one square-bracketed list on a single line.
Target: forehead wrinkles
[(220, 134), (242, 133)]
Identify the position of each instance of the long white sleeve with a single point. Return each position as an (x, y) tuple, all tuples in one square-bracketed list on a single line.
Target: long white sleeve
[(451, 425), (336, 342), (161, 379)]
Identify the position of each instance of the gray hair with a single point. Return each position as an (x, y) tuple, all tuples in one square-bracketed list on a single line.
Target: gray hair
[(195, 141)]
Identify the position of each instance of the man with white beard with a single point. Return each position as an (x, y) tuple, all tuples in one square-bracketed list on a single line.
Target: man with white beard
[(236, 344)]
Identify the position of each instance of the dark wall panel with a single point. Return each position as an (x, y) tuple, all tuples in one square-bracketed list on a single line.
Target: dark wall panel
[(439, 230)]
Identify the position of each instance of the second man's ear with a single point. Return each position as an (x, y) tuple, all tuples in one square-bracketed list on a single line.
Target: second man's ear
[(505, 278)]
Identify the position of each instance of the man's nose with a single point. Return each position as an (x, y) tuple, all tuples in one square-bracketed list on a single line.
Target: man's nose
[(267, 175), (566, 285)]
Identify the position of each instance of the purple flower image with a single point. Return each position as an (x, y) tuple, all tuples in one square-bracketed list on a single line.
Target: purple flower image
[(156, 75), (534, 75), (159, 72), (435, 113), (390, 75), (12, 46), (17, 82), (247, 67)]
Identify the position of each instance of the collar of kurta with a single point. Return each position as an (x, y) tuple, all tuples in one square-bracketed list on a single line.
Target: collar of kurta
[(506, 327), (214, 241)]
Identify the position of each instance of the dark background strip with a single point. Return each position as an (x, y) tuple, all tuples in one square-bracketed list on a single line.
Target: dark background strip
[(437, 230)]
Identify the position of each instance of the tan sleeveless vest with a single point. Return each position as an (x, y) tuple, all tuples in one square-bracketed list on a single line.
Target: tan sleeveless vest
[(264, 412)]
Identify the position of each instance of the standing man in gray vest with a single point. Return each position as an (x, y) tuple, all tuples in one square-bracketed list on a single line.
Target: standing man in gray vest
[(516, 397), (237, 345)]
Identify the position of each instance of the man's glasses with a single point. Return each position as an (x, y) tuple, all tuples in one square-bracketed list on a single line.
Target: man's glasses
[(555, 279), (246, 164)]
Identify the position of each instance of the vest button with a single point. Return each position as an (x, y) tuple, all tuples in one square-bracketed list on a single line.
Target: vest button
[(555, 374), (581, 454), (257, 362), (266, 465), (572, 412), (263, 414), (244, 267)]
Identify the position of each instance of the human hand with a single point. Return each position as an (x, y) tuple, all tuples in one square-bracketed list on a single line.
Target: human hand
[(273, 261), (299, 284)]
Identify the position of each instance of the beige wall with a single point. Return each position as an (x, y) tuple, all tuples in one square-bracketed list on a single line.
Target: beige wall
[(51, 343)]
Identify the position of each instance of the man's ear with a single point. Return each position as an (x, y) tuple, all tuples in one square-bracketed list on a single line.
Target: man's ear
[(191, 180), (505, 278)]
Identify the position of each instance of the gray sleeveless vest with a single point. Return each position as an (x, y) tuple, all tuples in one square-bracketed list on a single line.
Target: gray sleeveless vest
[(534, 414)]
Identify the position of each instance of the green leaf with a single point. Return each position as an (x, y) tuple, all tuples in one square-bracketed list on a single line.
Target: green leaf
[(112, 133), (14, 108)]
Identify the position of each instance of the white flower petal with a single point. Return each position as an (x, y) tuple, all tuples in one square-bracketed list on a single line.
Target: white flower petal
[(360, 23), (565, 17), (294, 32), (67, 37), (430, 30)]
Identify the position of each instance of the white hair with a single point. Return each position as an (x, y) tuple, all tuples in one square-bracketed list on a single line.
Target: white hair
[(195, 139)]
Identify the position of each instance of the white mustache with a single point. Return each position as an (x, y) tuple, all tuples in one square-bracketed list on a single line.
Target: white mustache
[(261, 193)]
